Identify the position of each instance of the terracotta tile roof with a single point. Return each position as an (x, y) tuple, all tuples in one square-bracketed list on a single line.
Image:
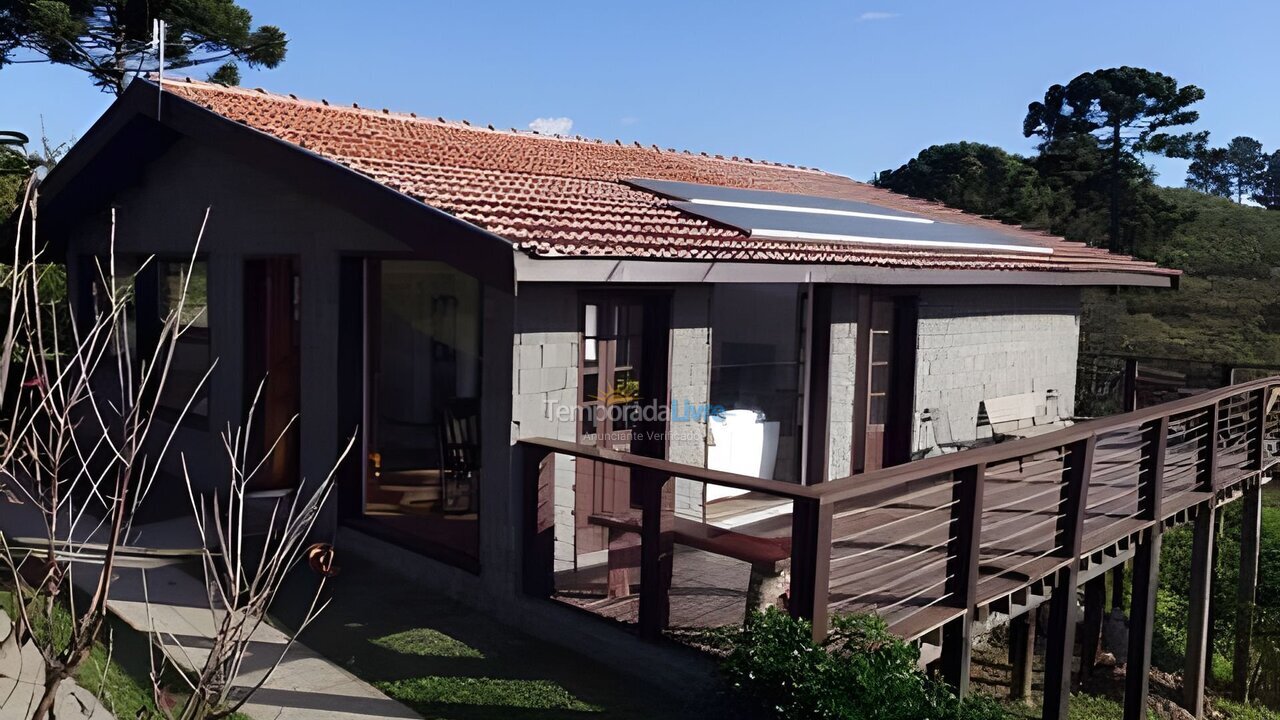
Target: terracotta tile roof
[(559, 196)]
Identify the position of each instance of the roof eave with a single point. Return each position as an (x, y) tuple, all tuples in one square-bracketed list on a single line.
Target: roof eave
[(532, 268), (429, 231)]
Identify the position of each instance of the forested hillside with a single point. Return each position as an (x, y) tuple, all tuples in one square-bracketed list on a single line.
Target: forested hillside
[(1088, 183)]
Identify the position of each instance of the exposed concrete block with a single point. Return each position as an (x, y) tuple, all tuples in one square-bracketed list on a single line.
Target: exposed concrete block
[(561, 354), (528, 356)]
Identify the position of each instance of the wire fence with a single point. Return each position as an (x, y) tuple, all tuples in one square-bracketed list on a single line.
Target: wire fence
[(1103, 380)]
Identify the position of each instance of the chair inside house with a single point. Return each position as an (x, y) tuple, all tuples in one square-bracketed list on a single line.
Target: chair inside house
[(460, 455), (436, 504)]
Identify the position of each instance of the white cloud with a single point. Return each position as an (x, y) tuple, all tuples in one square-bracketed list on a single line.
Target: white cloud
[(876, 15), (552, 125), (629, 120)]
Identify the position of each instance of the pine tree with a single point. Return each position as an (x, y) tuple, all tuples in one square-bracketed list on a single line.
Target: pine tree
[(1128, 112), (110, 40)]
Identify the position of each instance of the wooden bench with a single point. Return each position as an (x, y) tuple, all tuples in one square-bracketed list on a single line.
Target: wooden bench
[(770, 558)]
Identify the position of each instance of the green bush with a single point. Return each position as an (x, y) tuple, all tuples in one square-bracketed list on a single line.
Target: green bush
[(1242, 711), (860, 672), (1092, 707)]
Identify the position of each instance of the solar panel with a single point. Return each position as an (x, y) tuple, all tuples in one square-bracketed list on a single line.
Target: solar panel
[(778, 215)]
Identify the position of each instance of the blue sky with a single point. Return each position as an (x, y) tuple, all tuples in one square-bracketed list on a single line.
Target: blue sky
[(851, 87)]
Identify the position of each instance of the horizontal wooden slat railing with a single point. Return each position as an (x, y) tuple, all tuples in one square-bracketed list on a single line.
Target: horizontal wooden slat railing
[(929, 542)]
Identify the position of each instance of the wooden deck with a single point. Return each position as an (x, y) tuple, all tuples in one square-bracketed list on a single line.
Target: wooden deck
[(891, 560), (892, 548), (934, 545)]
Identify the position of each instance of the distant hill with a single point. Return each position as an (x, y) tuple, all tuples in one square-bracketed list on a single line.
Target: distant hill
[(1227, 308)]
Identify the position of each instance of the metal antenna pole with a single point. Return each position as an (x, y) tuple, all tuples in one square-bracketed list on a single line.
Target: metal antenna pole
[(157, 34)]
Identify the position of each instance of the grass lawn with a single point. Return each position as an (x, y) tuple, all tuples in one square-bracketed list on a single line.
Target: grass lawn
[(428, 695), (449, 661), (433, 694)]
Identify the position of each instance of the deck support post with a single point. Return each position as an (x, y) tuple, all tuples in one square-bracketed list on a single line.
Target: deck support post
[(962, 572), (1060, 647), (1146, 572), (1095, 600), (656, 548), (1193, 676), (1201, 590), (1022, 653), (811, 563), (1250, 532), (1142, 615), (1060, 644)]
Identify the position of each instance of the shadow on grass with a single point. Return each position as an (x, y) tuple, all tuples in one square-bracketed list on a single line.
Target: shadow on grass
[(448, 661)]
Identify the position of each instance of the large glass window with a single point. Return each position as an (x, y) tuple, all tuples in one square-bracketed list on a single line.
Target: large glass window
[(105, 277), (756, 373), (191, 355), (424, 443)]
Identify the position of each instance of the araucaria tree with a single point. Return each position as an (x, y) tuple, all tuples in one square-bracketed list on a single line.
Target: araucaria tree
[(1268, 192), (111, 39), (1127, 112), (1237, 171)]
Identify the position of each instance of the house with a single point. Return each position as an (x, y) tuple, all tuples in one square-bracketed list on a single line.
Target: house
[(446, 290)]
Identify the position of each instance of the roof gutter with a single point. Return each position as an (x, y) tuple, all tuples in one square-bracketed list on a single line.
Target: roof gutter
[(622, 270)]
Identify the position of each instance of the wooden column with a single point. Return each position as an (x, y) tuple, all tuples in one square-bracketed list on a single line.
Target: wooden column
[(962, 575), (1022, 653), (1211, 634), (1250, 532), (817, 438), (1146, 573), (656, 548), (1095, 601), (1129, 386), (811, 563), (536, 468), (1142, 613), (1062, 605), (1193, 676)]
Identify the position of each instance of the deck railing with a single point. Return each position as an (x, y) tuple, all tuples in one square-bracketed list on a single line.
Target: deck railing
[(931, 541)]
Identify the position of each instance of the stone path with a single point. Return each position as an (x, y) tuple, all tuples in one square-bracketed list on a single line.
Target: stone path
[(22, 683), (303, 687)]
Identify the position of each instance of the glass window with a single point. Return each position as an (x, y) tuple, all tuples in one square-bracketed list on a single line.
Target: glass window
[(425, 403), (103, 279), (191, 355), (756, 375)]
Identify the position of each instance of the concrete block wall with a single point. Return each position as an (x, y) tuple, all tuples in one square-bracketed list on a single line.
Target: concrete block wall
[(985, 342), (545, 355), (843, 369), (544, 389), (690, 386)]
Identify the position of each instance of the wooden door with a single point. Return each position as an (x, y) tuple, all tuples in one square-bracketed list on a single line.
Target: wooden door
[(272, 306), (622, 370), (884, 390)]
